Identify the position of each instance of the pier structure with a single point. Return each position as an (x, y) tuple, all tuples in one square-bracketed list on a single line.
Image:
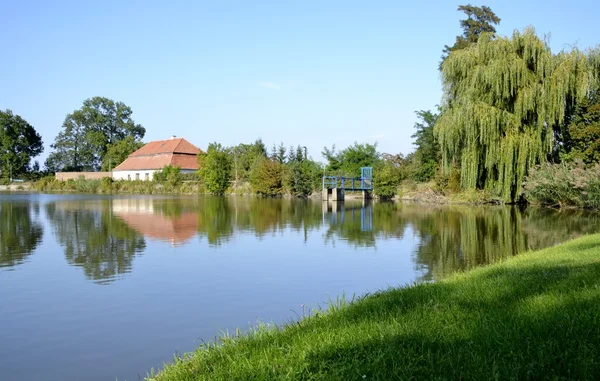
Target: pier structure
[(334, 187)]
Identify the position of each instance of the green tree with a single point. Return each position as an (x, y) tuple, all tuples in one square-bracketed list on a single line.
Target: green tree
[(88, 133), (119, 151), (266, 177), (503, 99), (349, 161), (427, 155), (19, 142), (479, 20), (215, 169), (244, 156), (303, 175), (387, 179)]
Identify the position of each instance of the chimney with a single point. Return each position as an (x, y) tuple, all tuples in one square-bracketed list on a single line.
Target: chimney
[(173, 137)]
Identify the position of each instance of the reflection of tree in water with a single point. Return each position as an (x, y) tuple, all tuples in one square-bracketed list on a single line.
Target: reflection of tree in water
[(457, 238), (215, 221), (95, 239), (19, 234), (219, 217)]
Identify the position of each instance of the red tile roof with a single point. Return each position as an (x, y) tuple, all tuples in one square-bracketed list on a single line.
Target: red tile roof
[(178, 145), (155, 155)]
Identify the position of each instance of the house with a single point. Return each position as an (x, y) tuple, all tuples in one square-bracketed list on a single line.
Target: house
[(152, 157)]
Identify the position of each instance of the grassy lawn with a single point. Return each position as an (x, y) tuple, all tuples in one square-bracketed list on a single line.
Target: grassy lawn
[(535, 316)]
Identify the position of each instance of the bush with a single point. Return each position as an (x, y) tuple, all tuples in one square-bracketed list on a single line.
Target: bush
[(170, 175), (215, 169), (564, 185), (266, 177), (386, 181)]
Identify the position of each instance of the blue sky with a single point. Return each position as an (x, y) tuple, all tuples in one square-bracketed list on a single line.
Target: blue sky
[(313, 73)]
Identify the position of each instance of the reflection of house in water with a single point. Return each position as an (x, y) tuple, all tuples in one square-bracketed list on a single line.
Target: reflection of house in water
[(144, 216), (337, 213)]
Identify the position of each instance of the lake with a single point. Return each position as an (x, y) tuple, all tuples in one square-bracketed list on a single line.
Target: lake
[(108, 287)]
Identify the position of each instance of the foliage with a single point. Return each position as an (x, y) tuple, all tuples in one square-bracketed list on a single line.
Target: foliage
[(95, 239), (469, 326), (20, 235), (479, 20), (19, 142), (119, 151), (215, 169), (266, 177), (427, 155), (88, 133), (570, 185), (244, 156), (583, 131), (349, 161), (169, 175), (503, 99), (387, 179)]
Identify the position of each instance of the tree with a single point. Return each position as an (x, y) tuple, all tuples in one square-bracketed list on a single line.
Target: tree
[(349, 161), (119, 151), (266, 177), (244, 156), (387, 178), (427, 154), (215, 169), (19, 142), (302, 173), (89, 132), (479, 20), (503, 99), (584, 131)]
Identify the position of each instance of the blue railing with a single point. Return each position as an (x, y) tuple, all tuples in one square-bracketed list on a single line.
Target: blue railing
[(347, 183)]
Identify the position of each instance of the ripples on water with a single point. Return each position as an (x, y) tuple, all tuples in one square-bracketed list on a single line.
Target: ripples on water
[(103, 287)]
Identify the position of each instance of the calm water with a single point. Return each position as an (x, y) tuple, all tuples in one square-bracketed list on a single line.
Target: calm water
[(105, 288)]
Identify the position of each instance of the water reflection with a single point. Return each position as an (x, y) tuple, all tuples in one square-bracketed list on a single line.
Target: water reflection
[(94, 238), (457, 238), (103, 236), (166, 220), (20, 232)]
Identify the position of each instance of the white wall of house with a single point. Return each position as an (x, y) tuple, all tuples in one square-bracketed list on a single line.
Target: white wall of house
[(144, 175)]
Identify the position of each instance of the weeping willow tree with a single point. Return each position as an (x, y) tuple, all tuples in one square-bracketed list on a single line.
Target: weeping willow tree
[(503, 100)]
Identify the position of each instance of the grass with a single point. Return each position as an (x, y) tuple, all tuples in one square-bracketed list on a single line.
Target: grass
[(535, 316)]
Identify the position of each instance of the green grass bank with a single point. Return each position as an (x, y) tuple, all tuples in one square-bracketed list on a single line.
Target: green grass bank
[(534, 316)]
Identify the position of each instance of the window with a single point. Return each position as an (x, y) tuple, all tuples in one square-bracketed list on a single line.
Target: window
[(137, 176), (128, 177), (147, 176)]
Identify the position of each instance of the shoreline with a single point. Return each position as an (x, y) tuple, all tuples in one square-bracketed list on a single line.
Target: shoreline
[(531, 316)]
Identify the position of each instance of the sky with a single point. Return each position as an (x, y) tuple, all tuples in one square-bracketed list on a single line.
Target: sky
[(310, 73)]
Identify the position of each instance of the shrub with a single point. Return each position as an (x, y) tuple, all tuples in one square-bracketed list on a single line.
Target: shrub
[(215, 169), (170, 175), (386, 181), (266, 177), (564, 185)]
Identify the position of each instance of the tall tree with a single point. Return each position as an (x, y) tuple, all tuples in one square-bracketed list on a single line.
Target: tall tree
[(19, 142), (90, 131), (215, 169), (503, 99), (349, 161), (427, 154), (479, 20), (119, 151)]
